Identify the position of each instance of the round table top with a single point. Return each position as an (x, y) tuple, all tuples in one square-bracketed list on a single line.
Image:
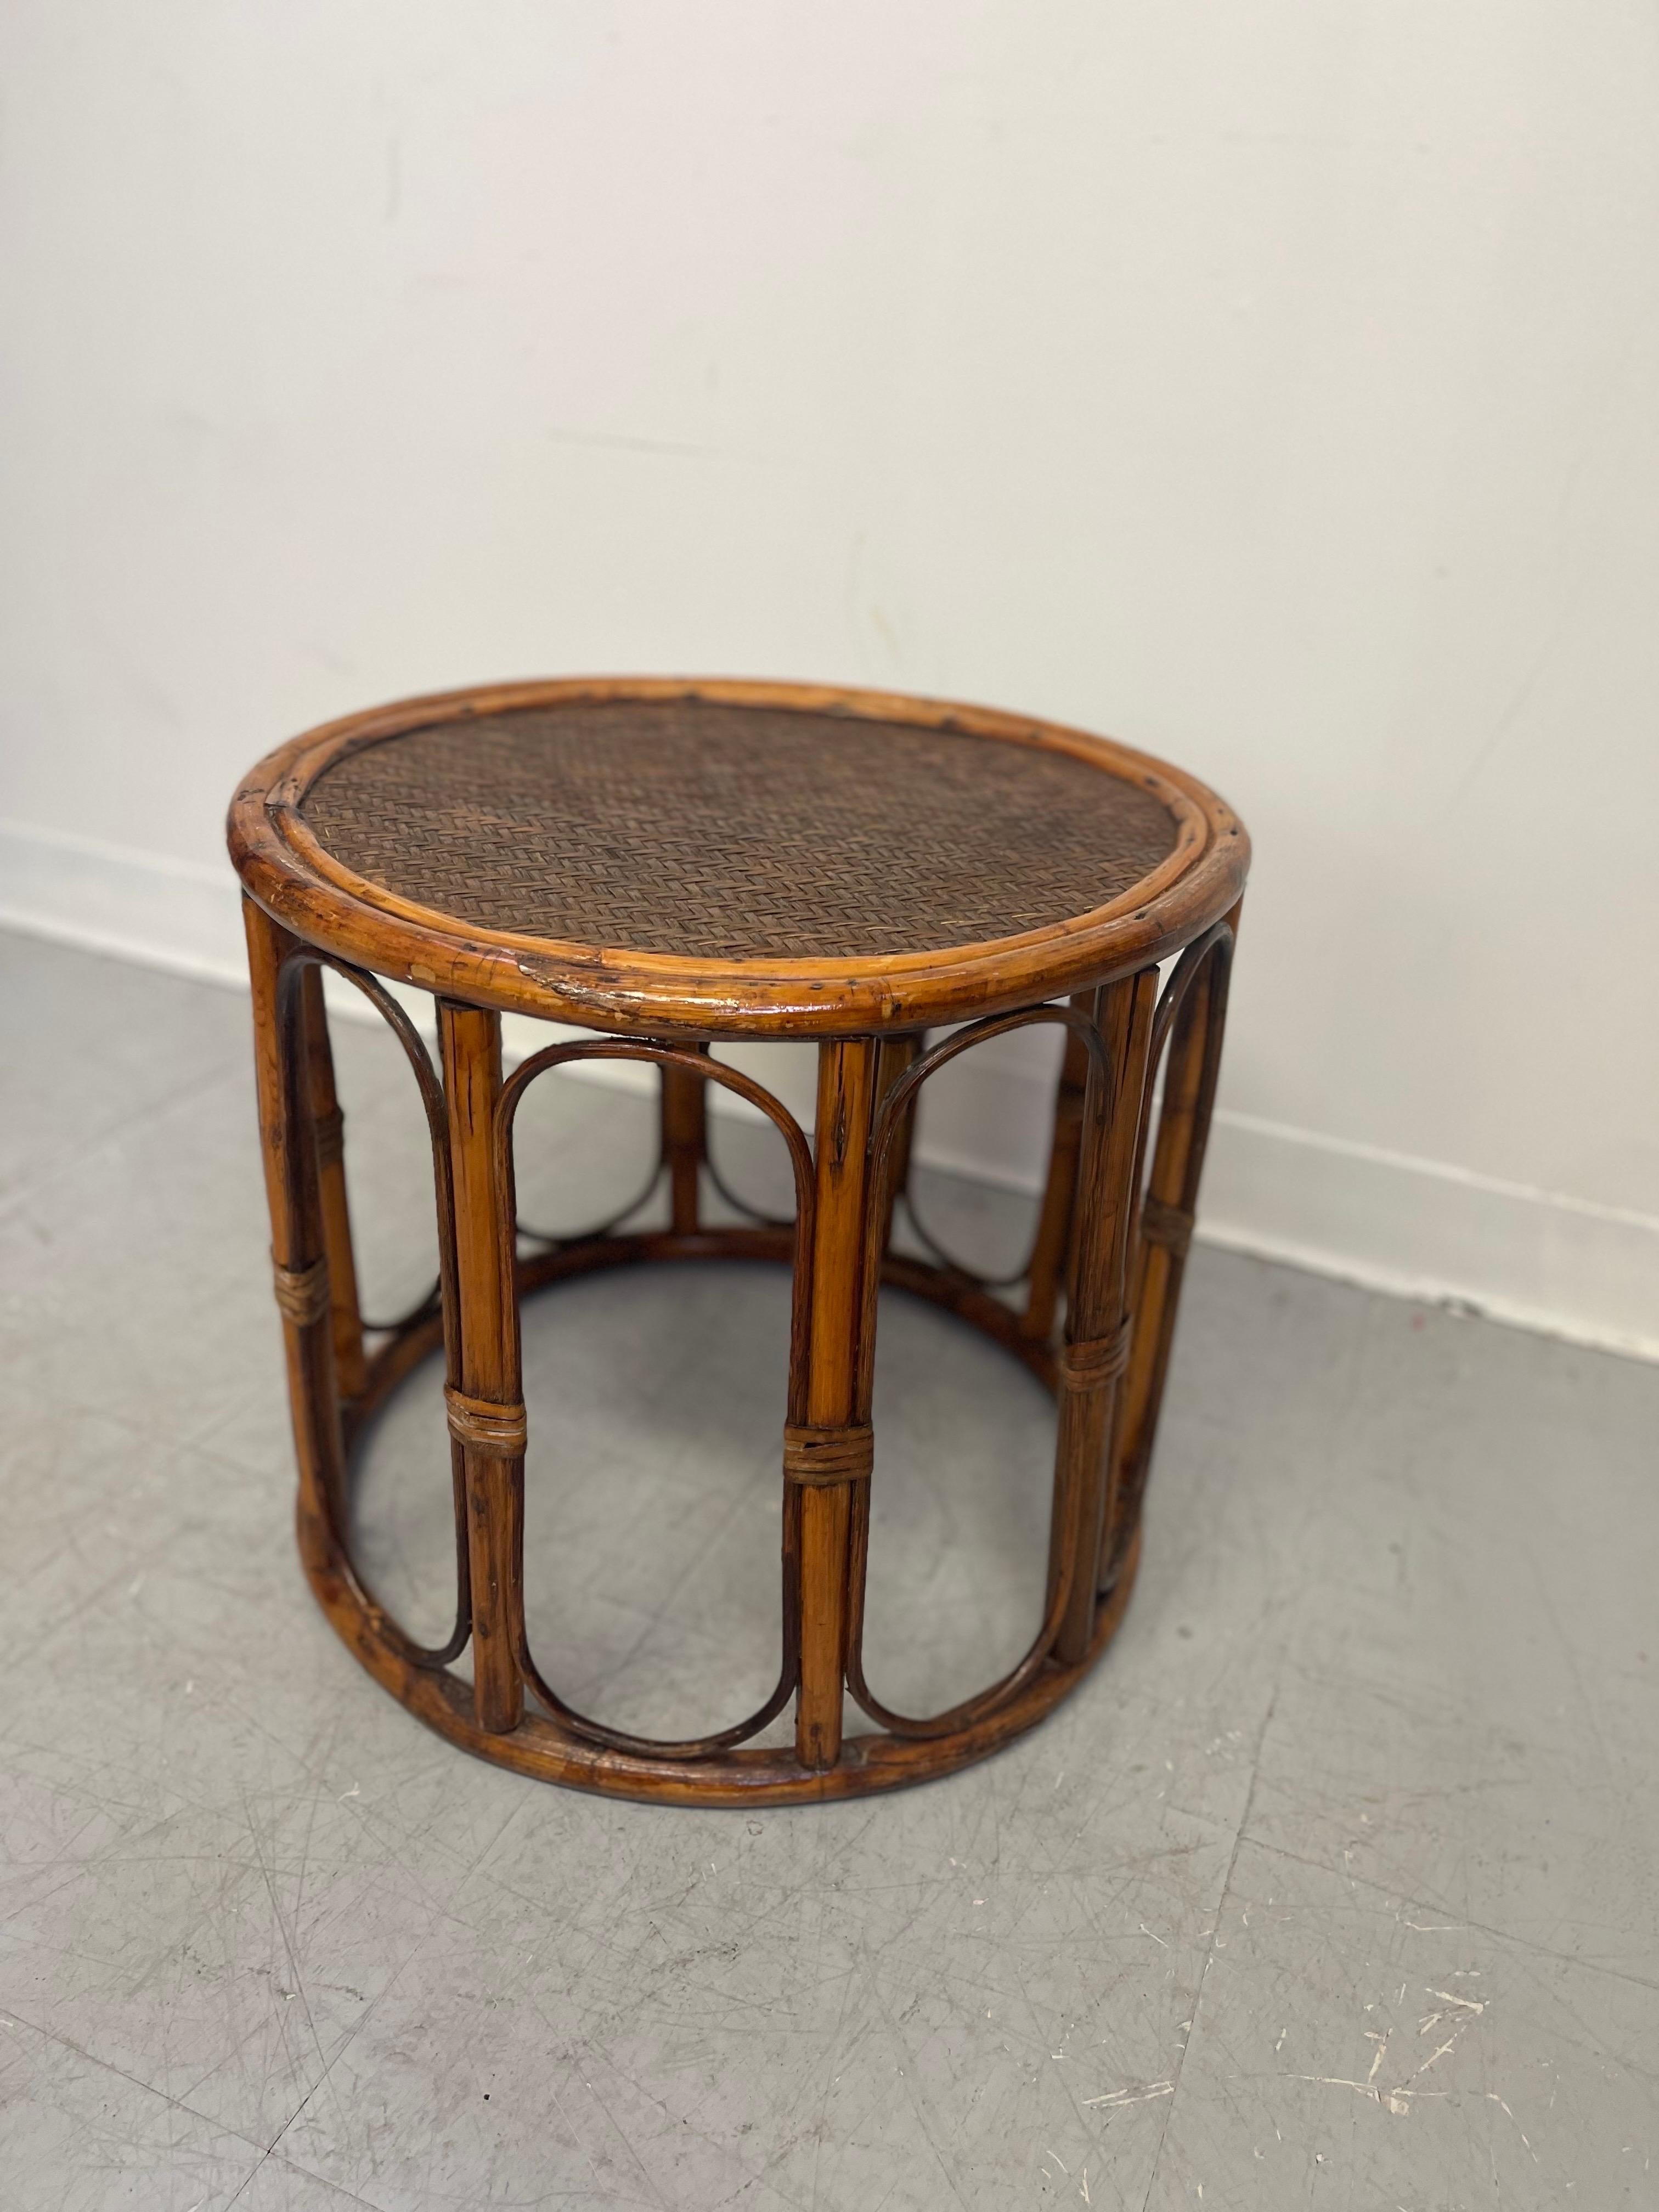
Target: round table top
[(731, 857)]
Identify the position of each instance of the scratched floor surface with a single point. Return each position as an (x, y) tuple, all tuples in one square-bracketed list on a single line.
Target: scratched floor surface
[(1338, 1885)]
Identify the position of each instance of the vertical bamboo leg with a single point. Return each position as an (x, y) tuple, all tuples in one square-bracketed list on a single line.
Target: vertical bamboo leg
[(301, 1270), (684, 1142), (847, 1094), (894, 1055), (1167, 1216), (1052, 1244), (1096, 1319), (486, 1413), (346, 1314)]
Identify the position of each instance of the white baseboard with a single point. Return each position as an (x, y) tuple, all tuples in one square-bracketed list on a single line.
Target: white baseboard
[(168, 913), (1541, 1259), (1412, 1227)]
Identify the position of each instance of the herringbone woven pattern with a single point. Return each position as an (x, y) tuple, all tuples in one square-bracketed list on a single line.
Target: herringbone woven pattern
[(725, 832)]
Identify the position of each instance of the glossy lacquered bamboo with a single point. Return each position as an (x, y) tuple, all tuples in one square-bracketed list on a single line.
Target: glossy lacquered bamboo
[(684, 1144), (470, 1041), (1194, 1018), (345, 1314), (1096, 1313), (1112, 1264), (287, 1145), (1045, 1272), (845, 1102), (284, 867)]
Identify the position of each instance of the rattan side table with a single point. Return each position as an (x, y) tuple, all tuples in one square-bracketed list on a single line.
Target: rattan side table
[(673, 864)]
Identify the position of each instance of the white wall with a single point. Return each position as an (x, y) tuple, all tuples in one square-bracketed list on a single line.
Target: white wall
[(1272, 385)]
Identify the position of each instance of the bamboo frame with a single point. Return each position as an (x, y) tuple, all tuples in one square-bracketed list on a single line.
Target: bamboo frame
[(1105, 1251)]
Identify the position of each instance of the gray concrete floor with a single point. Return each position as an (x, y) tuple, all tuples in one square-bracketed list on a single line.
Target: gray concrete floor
[(1336, 1885)]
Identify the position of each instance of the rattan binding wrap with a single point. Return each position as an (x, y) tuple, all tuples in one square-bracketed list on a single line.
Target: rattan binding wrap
[(1165, 1225), (479, 1424), (818, 1457), (301, 1293), (705, 830), (1095, 1360)]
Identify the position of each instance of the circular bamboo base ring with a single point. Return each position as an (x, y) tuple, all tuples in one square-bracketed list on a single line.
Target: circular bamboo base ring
[(539, 1747)]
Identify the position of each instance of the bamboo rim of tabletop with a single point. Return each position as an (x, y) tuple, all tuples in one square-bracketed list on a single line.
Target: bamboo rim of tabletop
[(300, 884)]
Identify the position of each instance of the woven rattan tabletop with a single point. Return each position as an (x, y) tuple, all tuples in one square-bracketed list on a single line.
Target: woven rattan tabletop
[(732, 832), (642, 850)]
